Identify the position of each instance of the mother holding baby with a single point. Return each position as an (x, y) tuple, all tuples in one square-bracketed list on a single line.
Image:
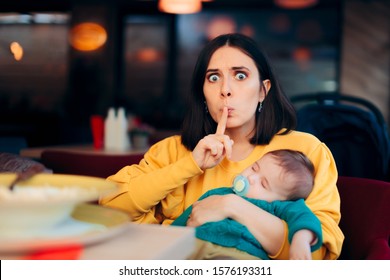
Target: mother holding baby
[(238, 113)]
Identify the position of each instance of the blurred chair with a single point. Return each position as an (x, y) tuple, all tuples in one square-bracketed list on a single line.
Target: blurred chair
[(88, 164), (365, 218), (353, 128)]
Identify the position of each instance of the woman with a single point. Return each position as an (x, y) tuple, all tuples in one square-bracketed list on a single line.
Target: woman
[(238, 113)]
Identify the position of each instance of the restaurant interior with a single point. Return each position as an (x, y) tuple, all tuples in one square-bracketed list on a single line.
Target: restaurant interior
[(64, 63), (145, 56)]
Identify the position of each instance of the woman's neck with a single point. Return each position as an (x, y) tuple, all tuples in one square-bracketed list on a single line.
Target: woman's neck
[(242, 147), (241, 150)]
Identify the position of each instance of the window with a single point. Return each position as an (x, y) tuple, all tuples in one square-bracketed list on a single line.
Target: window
[(147, 69), (33, 74), (33, 61)]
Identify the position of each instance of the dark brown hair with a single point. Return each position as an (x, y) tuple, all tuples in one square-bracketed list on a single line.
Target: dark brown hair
[(297, 164), (277, 111)]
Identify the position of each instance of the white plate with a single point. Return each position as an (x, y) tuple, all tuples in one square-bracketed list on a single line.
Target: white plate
[(45, 199), (89, 224), (70, 188)]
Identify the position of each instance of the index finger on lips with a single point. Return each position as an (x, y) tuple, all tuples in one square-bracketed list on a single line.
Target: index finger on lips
[(222, 122)]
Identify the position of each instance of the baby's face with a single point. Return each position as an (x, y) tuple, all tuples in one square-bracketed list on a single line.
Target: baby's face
[(267, 180)]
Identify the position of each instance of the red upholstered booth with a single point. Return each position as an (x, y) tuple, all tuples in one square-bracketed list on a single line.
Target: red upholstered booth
[(88, 164), (365, 218)]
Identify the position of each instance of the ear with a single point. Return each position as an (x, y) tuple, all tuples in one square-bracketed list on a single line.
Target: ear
[(265, 89)]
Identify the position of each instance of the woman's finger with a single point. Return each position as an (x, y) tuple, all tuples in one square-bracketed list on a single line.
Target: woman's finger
[(222, 122), (228, 145)]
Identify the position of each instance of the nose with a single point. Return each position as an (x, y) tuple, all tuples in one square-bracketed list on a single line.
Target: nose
[(253, 179), (225, 88), (225, 94)]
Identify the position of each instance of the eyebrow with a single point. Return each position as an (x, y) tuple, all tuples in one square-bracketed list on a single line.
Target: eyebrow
[(212, 70), (257, 164), (240, 68), (235, 68)]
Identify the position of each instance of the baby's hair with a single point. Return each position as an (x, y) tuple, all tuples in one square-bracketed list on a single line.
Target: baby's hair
[(298, 165)]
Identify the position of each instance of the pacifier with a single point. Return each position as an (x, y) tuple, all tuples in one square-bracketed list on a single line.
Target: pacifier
[(240, 185)]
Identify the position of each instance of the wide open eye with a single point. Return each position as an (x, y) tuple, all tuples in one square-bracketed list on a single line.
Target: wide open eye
[(213, 78), (240, 76)]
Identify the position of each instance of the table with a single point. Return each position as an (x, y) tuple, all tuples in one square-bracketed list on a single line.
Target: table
[(35, 153), (139, 242), (146, 242)]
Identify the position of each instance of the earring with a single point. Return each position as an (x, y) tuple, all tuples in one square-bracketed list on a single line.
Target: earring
[(260, 107), (205, 107)]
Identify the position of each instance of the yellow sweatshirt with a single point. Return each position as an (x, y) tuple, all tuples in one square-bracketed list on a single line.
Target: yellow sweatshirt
[(168, 180)]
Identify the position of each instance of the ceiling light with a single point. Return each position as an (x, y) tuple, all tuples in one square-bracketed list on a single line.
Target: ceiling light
[(87, 36), (180, 6), (295, 4)]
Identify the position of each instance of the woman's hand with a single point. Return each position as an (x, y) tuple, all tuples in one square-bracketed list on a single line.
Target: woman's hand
[(211, 209), (211, 150)]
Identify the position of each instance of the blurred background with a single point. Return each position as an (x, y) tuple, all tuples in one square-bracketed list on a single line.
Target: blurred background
[(65, 60)]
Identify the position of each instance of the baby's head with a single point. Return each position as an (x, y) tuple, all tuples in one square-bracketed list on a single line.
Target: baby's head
[(278, 175)]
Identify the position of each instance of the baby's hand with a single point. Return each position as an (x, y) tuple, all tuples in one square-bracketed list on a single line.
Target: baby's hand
[(300, 248)]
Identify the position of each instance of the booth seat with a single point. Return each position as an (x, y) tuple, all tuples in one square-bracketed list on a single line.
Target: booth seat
[(87, 164), (365, 218)]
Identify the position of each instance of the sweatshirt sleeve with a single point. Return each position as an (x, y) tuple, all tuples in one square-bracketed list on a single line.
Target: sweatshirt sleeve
[(324, 200), (163, 171), (298, 216)]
